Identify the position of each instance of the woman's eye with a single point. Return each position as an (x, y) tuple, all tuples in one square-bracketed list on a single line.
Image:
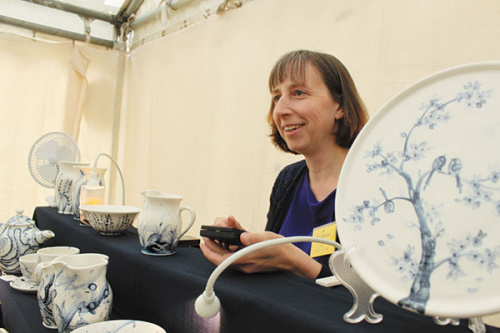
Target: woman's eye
[(298, 93), (276, 98)]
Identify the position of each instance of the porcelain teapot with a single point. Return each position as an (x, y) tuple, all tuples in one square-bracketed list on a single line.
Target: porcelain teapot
[(19, 236), (160, 222)]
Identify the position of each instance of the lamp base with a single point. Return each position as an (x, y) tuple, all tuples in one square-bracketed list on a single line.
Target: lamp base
[(207, 305)]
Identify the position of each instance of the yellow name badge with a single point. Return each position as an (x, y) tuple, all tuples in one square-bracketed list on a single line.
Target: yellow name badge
[(327, 231)]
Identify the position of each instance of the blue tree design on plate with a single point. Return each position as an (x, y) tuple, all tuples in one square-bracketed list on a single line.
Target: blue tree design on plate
[(478, 192)]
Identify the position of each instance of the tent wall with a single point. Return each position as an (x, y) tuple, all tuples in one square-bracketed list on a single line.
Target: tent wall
[(196, 100), (49, 87), (191, 117)]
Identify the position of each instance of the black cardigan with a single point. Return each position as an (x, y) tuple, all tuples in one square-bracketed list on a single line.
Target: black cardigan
[(281, 196)]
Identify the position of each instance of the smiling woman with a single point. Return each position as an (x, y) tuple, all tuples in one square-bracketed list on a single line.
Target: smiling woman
[(334, 76), (316, 112), (300, 112)]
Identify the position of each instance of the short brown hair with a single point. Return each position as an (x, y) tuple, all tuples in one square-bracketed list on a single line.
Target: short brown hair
[(339, 83)]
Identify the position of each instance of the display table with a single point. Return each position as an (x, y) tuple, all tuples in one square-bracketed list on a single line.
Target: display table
[(162, 290)]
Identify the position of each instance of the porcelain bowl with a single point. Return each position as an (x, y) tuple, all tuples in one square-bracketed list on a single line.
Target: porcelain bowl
[(121, 326), (110, 219)]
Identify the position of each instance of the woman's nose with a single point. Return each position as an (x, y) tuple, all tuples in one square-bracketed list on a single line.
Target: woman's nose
[(282, 106)]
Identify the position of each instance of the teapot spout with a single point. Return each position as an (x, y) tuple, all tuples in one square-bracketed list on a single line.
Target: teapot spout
[(47, 234)]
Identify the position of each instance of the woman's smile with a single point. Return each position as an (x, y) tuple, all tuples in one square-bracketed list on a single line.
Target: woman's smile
[(290, 129)]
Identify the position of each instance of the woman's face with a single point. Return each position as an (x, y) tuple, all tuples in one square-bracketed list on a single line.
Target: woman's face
[(305, 113)]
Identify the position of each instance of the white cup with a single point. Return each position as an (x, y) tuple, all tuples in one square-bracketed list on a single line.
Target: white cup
[(28, 263), (52, 252)]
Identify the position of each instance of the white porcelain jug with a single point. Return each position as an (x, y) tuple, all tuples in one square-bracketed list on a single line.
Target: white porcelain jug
[(160, 222), (81, 294), (45, 274), (63, 185)]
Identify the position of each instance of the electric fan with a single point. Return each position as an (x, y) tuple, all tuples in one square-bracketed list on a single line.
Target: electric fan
[(49, 149)]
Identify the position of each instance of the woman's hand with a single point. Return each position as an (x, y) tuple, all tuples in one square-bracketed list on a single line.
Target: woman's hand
[(216, 252), (280, 257)]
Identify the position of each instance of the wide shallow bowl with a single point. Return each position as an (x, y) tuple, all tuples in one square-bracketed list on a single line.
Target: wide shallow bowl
[(110, 219), (121, 326)]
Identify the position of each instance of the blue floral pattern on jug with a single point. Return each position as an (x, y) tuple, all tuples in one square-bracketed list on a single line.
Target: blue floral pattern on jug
[(159, 239)]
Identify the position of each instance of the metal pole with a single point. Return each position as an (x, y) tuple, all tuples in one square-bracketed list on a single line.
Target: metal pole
[(55, 32), (67, 7)]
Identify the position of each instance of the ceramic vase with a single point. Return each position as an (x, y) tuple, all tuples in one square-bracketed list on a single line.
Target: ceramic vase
[(63, 185), (160, 223), (83, 178)]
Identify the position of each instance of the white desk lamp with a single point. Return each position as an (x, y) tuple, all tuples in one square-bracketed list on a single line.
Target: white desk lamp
[(207, 305), (93, 181)]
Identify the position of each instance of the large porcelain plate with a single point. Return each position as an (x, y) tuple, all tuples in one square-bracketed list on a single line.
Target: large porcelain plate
[(121, 326), (419, 195)]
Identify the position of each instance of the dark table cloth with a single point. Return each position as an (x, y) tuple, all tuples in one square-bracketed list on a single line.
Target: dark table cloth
[(162, 290)]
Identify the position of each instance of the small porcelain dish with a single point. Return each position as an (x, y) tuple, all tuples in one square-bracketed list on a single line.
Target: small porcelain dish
[(110, 219), (121, 326)]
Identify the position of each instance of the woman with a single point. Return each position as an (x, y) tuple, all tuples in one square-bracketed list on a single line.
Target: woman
[(315, 111)]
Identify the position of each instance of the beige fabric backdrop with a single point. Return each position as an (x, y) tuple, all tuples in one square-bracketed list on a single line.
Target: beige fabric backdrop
[(193, 120), (49, 87)]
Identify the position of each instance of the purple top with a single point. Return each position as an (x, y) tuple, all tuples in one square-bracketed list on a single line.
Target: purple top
[(306, 213)]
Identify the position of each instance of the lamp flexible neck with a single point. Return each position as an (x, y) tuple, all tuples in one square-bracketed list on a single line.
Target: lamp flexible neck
[(258, 246)]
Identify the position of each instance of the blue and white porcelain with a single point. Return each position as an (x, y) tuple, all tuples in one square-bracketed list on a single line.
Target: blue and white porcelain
[(24, 285), (45, 274), (419, 195), (121, 326), (28, 264), (19, 236), (63, 185), (49, 253), (80, 292), (110, 220), (160, 223)]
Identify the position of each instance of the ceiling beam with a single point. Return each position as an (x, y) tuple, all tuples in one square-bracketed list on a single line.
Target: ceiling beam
[(55, 32), (85, 12), (128, 8)]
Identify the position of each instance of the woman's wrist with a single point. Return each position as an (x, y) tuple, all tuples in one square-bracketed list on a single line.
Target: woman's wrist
[(301, 264)]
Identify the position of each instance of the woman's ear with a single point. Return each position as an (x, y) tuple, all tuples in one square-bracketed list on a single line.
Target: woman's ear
[(339, 113)]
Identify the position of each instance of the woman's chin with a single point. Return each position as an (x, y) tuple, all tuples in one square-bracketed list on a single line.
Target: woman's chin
[(296, 148)]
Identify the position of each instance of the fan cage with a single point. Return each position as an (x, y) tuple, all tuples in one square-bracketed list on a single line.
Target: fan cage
[(62, 148)]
